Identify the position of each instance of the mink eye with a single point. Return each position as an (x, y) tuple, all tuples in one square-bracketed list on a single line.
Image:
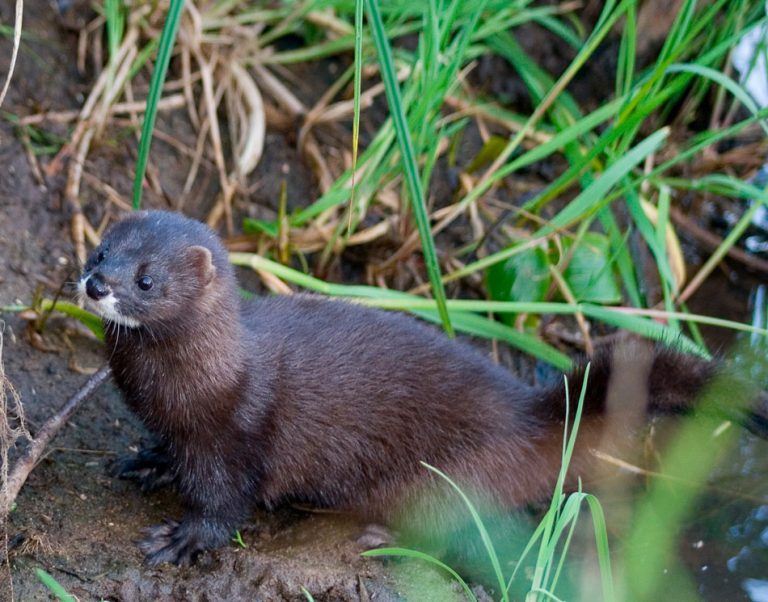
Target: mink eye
[(101, 254), (145, 283)]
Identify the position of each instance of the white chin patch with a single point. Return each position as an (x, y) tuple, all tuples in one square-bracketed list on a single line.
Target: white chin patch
[(106, 308), (109, 312)]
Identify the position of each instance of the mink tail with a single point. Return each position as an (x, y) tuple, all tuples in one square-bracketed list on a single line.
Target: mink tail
[(633, 379)]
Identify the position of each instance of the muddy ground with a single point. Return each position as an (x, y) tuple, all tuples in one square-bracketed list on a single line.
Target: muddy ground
[(79, 524)]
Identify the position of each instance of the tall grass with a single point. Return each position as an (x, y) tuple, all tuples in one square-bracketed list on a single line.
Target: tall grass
[(602, 149)]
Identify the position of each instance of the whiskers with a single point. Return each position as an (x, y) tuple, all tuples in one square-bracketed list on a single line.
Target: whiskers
[(119, 331), (113, 328), (73, 288), (151, 333)]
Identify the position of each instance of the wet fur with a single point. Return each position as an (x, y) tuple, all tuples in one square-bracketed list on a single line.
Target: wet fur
[(329, 403)]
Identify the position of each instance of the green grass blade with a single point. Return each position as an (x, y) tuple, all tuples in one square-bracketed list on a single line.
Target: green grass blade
[(54, 586), (142, 57), (723, 80), (115, 24), (587, 202), (642, 326), (484, 535), (406, 553), (559, 512), (656, 245), (541, 151), (357, 85), (570, 516), (410, 166), (708, 138), (559, 28), (607, 19), (307, 595), (601, 544), (532, 541), (88, 319), (167, 40), (594, 196), (622, 259), (627, 51), (478, 325)]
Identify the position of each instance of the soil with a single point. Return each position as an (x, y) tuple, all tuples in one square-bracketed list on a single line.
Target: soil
[(79, 524)]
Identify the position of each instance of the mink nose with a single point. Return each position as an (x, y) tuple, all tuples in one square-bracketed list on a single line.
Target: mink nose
[(95, 287)]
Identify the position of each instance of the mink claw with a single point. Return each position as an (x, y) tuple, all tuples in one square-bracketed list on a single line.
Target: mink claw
[(157, 536), (165, 543), (180, 543)]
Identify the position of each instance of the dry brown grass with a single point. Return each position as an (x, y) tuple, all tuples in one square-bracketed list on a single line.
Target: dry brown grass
[(12, 428), (15, 52)]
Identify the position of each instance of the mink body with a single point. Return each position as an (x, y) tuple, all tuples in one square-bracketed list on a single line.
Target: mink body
[(303, 399)]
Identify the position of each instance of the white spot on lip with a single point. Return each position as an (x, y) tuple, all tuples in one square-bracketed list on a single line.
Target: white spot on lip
[(106, 307)]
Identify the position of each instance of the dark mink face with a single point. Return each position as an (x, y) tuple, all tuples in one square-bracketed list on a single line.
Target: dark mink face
[(151, 269)]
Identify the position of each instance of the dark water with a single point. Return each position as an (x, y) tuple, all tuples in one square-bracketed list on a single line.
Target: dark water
[(723, 540), (733, 522), (725, 546)]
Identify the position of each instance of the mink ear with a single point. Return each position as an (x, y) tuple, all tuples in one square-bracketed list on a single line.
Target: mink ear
[(201, 260)]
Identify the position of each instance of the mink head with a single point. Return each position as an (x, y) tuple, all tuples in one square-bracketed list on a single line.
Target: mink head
[(154, 269)]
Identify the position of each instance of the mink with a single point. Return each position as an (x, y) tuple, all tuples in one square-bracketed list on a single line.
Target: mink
[(329, 403)]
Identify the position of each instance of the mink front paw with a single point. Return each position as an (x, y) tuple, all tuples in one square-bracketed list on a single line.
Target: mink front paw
[(150, 468), (179, 543)]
